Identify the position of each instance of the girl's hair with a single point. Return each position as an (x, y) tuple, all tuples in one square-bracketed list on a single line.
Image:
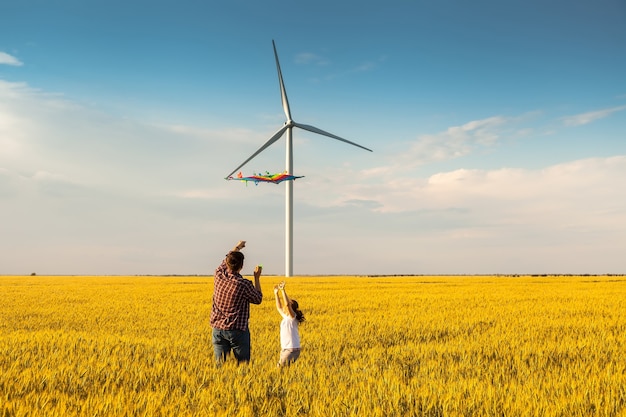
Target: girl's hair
[(234, 261), (296, 309)]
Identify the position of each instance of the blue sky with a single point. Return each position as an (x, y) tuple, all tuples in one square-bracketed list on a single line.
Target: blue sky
[(498, 131)]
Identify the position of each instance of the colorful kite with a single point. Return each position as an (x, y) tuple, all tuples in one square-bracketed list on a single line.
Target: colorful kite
[(257, 178)]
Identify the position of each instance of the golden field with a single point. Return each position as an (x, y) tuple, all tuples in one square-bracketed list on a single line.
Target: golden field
[(372, 346)]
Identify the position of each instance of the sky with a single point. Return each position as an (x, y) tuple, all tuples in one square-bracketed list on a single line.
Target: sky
[(498, 132)]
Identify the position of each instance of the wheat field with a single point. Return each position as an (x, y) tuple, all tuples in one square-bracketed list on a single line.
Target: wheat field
[(372, 346)]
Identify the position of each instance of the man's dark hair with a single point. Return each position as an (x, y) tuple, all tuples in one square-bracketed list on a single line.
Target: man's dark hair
[(234, 261)]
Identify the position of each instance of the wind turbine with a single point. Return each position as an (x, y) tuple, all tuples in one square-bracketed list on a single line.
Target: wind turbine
[(287, 127)]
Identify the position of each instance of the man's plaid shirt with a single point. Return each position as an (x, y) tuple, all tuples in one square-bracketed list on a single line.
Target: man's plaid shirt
[(232, 296)]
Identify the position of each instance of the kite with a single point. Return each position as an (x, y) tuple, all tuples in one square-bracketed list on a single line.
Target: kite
[(257, 178)]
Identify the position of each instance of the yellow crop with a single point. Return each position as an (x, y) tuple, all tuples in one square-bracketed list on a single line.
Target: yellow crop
[(372, 346)]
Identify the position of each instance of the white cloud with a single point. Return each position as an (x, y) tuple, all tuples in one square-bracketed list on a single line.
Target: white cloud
[(458, 141), (45, 132), (589, 117), (308, 58), (572, 185), (565, 218), (7, 59), (89, 192), (317, 60)]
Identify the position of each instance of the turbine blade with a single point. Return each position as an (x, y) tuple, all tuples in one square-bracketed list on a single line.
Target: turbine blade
[(271, 140), (330, 135), (283, 92)]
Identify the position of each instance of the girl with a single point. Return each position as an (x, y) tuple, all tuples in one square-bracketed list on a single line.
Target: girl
[(292, 317)]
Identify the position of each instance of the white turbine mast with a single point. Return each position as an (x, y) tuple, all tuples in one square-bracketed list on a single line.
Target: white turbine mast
[(287, 127)]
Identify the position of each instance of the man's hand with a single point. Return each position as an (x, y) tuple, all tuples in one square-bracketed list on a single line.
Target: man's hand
[(240, 246), (257, 271), (257, 275)]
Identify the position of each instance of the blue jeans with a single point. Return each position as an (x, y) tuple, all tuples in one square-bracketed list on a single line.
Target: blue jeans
[(236, 340)]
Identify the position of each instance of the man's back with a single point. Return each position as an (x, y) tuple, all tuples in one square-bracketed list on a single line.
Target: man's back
[(231, 300)]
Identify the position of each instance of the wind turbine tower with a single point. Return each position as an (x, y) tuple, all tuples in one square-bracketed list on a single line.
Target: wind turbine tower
[(287, 128)]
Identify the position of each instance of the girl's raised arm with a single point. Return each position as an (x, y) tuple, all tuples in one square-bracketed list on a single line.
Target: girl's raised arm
[(287, 304), (279, 306)]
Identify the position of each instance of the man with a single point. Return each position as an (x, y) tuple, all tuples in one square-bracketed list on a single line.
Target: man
[(230, 312)]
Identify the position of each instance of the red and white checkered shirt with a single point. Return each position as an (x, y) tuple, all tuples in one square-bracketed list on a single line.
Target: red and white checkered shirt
[(232, 296)]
